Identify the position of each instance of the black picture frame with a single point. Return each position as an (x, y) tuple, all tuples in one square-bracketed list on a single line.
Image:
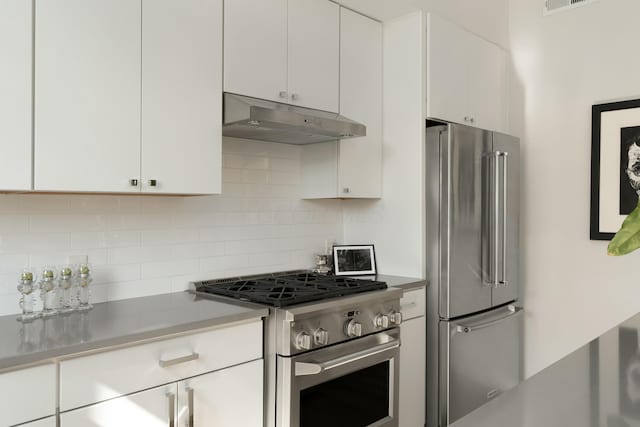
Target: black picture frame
[(354, 260), (596, 149)]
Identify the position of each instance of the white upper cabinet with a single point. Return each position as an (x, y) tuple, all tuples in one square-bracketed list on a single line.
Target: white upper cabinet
[(283, 50), (87, 80), (352, 168), (488, 86), (360, 166), (181, 96), (255, 46), (314, 54), (467, 77), (16, 34), (128, 96)]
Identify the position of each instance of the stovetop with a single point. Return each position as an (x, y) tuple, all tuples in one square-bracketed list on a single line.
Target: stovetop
[(287, 289)]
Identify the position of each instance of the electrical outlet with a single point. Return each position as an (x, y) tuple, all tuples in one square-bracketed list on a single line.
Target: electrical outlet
[(77, 259)]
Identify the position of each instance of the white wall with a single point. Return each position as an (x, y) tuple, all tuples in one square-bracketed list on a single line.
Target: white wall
[(564, 63), (150, 245)]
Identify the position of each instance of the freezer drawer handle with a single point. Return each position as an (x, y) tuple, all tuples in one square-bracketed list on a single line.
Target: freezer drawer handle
[(470, 328), (306, 368)]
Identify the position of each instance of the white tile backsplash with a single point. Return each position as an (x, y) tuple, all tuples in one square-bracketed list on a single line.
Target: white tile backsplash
[(145, 245)]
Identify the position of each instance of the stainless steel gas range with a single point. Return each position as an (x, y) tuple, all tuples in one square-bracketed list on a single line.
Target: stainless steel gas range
[(331, 347)]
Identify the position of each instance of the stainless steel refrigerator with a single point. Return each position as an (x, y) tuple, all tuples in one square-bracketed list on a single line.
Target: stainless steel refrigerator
[(474, 320)]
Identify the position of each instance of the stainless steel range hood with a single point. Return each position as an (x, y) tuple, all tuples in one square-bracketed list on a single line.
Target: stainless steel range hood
[(253, 118)]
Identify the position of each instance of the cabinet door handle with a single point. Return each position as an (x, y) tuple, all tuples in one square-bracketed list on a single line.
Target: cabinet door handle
[(295, 96), (178, 360), (133, 182), (472, 119), (153, 183), (283, 94), (191, 407), (346, 190), (172, 409)]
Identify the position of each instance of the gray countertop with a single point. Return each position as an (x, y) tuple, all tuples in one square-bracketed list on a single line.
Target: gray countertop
[(405, 283), (597, 385), (128, 321), (114, 323)]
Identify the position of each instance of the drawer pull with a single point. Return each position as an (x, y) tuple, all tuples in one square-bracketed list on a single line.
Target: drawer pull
[(408, 305), (178, 360)]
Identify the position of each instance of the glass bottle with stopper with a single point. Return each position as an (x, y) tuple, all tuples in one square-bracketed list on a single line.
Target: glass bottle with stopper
[(66, 283), (49, 292), (84, 280), (26, 287)]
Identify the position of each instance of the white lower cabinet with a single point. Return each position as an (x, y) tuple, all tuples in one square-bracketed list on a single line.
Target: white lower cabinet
[(30, 395), (150, 408), (46, 422), (413, 335), (227, 398)]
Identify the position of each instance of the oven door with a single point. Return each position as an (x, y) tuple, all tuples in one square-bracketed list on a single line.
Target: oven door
[(354, 384)]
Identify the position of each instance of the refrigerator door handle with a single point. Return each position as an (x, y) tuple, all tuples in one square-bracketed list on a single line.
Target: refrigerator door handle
[(513, 311), (505, 157), (498, 223)]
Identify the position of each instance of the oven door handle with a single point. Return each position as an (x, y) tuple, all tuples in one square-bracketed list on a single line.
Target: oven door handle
[(307, 368)]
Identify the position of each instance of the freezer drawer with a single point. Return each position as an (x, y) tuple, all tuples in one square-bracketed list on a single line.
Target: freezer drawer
[(479, 359)]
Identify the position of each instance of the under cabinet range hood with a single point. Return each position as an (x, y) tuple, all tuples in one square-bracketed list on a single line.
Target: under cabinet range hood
[(252, 118)]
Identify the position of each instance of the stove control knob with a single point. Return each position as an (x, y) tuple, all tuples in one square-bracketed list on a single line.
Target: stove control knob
[(354, 329), (303, 341), (381, 321), (395, 317), (321, 337)]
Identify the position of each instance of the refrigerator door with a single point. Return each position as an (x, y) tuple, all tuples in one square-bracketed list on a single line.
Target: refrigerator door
[(479, 359), (463, 163), (504, 234)]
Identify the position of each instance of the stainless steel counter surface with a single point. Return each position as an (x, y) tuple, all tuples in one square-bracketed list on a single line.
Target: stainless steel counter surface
[(114, 323), (598, 385), (405, 283)]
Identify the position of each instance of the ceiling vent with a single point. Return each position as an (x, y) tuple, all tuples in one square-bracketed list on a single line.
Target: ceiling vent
[(553, 6)]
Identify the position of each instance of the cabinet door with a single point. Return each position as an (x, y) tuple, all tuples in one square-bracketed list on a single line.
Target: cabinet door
[(181, 96), (412, 373), (47, 422), (87, 80), (487, 85), (229, 397), (314, 54), (16, 34), (255, 48), (30, 394), (447, 61), (360, 166), (150, 408)]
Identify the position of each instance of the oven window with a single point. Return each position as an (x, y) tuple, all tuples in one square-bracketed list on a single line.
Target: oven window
[(358, 399)]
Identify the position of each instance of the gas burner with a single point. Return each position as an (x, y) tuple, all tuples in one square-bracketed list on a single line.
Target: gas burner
[(289, 288)]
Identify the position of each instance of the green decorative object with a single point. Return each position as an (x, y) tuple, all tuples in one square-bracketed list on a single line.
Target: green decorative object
[(627, 239)]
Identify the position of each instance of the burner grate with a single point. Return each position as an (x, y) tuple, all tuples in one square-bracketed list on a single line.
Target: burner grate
[(289, 289)]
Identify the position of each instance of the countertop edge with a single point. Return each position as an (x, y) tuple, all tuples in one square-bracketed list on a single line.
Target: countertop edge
[(75, 350)]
